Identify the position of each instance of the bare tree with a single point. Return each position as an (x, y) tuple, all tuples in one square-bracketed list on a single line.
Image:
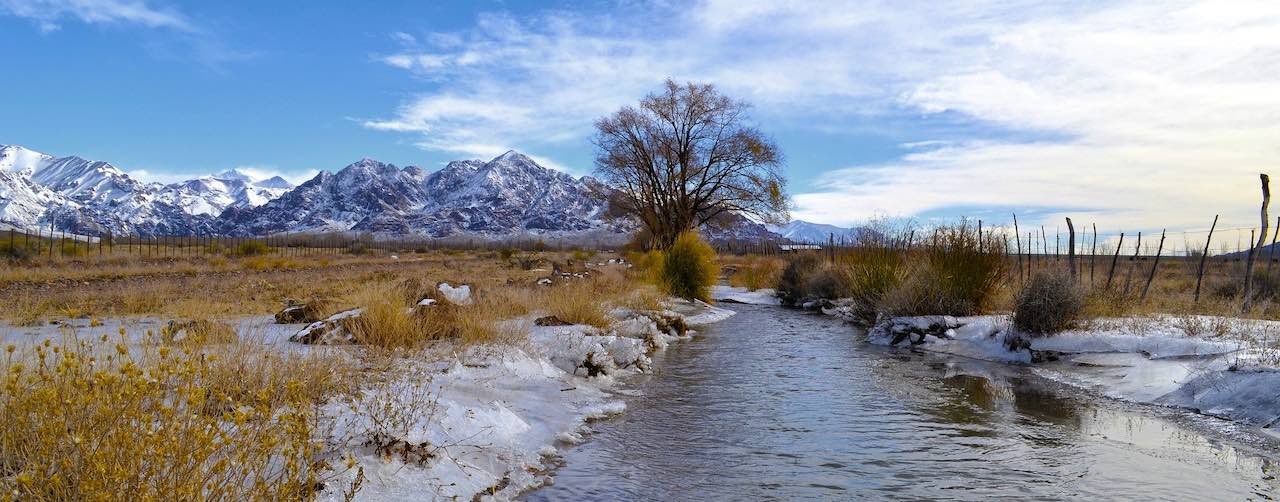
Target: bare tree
[(685, 156)]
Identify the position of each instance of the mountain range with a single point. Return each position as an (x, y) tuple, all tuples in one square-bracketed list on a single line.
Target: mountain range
[(508, 196)]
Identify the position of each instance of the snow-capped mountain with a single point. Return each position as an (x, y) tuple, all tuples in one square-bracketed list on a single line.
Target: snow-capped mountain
[(510, 194), (335, 202), (85, 197), (804, 231), (211, 195)]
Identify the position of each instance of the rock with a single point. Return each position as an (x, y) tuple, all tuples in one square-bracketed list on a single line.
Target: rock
[(550, 321), (915, 329), (298, 313), (334, 330), (460, 295)]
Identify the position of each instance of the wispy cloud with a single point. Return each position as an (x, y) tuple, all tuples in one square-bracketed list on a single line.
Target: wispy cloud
[(49, 13), (1161, 112)]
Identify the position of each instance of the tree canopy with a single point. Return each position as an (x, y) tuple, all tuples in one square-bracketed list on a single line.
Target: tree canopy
[(685, 156)]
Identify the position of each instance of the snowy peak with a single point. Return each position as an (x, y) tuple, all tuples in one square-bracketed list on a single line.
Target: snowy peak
[(233, 175), (804, 231), (275, 182), (15, 158)]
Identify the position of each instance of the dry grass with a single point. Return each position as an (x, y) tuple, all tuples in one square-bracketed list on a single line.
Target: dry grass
[(209, 415), (755, 272), (578, 303), (100, 422)]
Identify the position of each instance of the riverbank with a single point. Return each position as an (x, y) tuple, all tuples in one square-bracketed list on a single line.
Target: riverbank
[(1222, 367), (495, 417)]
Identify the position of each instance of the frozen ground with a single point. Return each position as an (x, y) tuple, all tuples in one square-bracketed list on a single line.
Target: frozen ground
[(743, 295), (499, 414), (482, 421), (1222, 367)]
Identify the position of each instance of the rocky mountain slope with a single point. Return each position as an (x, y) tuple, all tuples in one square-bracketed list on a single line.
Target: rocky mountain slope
[(508, 196)]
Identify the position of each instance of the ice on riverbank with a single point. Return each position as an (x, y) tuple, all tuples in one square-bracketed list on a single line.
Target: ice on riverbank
[(1234, 374), (733, 294), (502, 412)]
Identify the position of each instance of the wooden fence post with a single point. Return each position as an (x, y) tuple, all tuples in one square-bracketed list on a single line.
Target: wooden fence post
[(1071, 250), (1114, 259), (1133, 263), (1017, 237), (1271, 253), (1154, 265), (1262, 240), (1204, 256), (1093, 256)]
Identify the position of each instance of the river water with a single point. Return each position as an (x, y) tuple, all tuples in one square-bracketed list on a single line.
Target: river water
[(781, 404)]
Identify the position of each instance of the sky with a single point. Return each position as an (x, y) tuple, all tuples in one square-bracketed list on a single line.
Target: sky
[(1135, 115)]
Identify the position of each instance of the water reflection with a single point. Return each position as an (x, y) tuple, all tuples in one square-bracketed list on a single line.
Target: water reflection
[(775, 404)]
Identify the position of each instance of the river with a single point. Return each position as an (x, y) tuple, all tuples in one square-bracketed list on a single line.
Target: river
[(782, 404)]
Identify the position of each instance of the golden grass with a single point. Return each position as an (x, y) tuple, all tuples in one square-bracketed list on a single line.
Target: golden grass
[(83, 423), (216, 416), (756, 272), (578, 303)]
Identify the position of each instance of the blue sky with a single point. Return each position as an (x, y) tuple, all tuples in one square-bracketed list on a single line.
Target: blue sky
[(1135, 114)]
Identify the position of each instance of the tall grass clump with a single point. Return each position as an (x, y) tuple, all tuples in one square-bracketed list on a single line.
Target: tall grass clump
[(103, 423), (578, 303), (793, 282), (957, 272), (388, 321), (689, 268), (1049, 303), (870, 273), (757, 272)]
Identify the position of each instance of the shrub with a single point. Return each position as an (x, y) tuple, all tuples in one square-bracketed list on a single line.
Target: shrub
[(756, 273), (964, 269), (1047, 304), (689, 268), (793, 283), (252, 248), (870, 273), (14, 250), (918, 294)]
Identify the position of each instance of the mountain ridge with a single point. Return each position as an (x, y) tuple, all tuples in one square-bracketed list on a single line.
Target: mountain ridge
[(510, 195)]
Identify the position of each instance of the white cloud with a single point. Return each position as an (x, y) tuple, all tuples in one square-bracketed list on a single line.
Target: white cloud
[(1160, 113), (47, 13)]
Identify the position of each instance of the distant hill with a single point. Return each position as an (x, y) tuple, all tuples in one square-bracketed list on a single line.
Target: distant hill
[(807, 232)]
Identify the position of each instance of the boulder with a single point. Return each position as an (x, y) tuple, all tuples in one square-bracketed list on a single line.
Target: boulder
[(302, 312), (334, 330), (550, 321), (460, 295)]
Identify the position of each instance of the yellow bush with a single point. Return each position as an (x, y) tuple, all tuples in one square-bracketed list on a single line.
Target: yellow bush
[(86, 425), (689, 268)]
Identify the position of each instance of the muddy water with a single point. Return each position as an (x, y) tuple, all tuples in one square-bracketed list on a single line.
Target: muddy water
[(779, 404)]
